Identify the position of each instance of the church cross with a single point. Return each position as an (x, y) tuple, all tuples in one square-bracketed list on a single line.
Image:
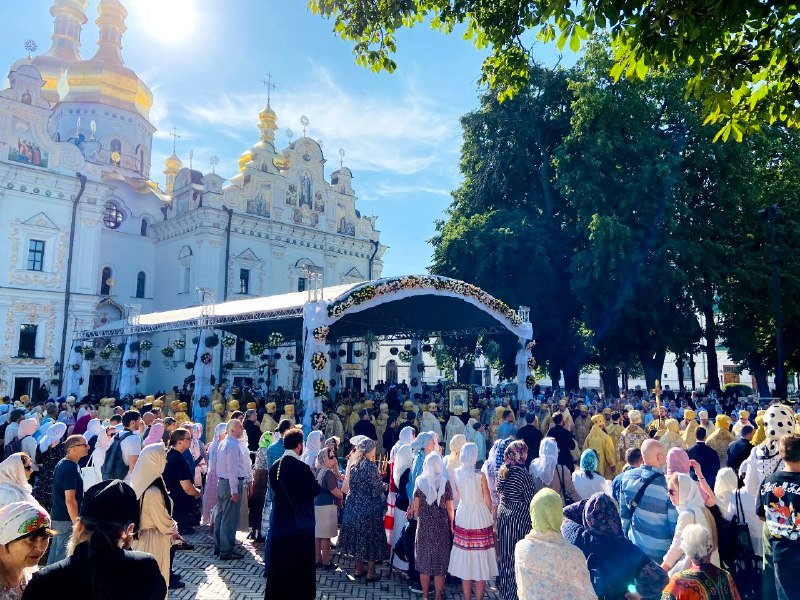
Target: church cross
[(174, 135), (268, 83)]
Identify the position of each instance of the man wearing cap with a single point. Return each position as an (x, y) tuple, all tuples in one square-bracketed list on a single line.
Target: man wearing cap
[(689, 427), (335, 428), (706, 422), (213, 419), (632, 436), (721, 438), (599, 441), (744, 419), (563, 408), (99, 566), (429, 421)]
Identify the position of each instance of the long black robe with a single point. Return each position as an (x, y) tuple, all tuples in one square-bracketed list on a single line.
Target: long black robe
[(291, 574)]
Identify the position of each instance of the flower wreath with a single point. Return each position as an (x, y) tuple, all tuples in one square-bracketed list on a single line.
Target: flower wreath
[(320, 333), (88, 353), (130, 363), (228, 341), (256, 348), (530, 381), (421, 368), (275, 339), (145, 363), (203, 402), (393, 351), (531, 363), (206, 358), (105, 354), (414, 382), (190, 365), (168, 352), (179, 344), (405, 356), (145, 345), (318, 361), (75, 367), (320, 387)]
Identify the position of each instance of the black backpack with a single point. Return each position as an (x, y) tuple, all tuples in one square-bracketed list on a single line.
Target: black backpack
[(114, 466)]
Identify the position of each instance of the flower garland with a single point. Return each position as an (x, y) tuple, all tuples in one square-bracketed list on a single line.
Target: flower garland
[(405, 356), (88, 353), (228, 341), (179, 344), (168, 352), (189, 366), (130, 363), (256, 348), (145, 345), (320, 387), (320, 333), (212, 340), (206, 358), (275, 339), (318, 361), (393, 285), (531, 363), (530, 381), (145, 363)]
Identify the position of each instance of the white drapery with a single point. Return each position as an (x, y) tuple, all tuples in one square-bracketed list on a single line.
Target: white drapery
[(127, 377)]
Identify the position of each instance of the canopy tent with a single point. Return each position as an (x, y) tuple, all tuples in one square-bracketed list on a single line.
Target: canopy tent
[(412, 306)]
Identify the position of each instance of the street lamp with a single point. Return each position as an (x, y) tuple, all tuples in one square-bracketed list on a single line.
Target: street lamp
[(770, 215), (57, 368)]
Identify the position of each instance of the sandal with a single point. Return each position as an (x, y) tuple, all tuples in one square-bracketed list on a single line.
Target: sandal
[(358, 574), (373, 578)]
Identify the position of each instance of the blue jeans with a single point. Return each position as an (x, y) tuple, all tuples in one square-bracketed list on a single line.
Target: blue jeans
[(58, 545), (227, 517)]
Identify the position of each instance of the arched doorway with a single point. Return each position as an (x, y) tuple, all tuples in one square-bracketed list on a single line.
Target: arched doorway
[(100, 381), (391, 371)]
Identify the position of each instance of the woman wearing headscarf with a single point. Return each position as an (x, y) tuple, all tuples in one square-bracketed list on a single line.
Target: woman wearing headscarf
[(156, 526), (473, 557), (51, 450), (686, 497), (586, 479), (678, 461), (155, 435), (491, 467), (391, 521), (260, 482), (546, 472), (433, 508), (210, 490), (724, 489), (92, 473), (325, 506), (14, 472), (546, 565), (362, 535), (594, 527), (400, 472), (24, 536), (702, 580), (28, 443), (515, 488), (94, 427), (453, 461), (312, 447)]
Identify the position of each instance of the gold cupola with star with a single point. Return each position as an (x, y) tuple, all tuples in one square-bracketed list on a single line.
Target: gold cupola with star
[(104, 78)]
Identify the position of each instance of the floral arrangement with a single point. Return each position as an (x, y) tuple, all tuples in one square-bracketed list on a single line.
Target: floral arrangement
[(427, 348), (75, 367), (110, 347), (203, 402), (421, 368), (145, 363), (530, 381), (332, 354), (78, 349), (368, 291), (407, 347), (135, 346), (228, 341), (414, 351), (206, 358), (228, 366), (212, 340), (320, 333), (105, 354), (130, 363), (146, 345), (319, 421), (318, 361), (530, 345), (189, 365), (531, 363), (290, 356), (168, 352), (120, 347), (414, 382), (275, 339), (373, 355), (342, 353), (88, 352), (357, 353), (276, 356), (405, 356), (256, 348), (333, 383), (393, 351), (320, 387), (188, 380), (179, 344), (274, 371), (338, 368)]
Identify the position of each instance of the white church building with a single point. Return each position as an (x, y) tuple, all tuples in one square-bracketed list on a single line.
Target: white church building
[(90, 236)]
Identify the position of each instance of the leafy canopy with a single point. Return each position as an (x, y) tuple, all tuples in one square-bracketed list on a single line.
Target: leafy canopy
[(742, 54)]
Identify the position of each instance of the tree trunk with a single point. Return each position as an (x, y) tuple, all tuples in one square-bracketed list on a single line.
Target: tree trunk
[(760, 374), (711, 349), (609, 376), (679, 364), (653, 365), (555, 378), (572, 378)]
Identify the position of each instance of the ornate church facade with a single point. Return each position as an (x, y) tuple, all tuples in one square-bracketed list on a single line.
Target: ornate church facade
[(91, 236)]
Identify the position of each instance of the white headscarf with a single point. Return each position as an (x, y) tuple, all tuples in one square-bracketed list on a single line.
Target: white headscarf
[(545, 466), (432, 482), (149, 467), (469, 430), (12, 473), (465, 472), (314, 444), (82, 412), (403, 459), (212, 447), (406, 437), (724, 486), (52, 435), (104, 441), (20, 518), (691, 500), (93, 427), (27, 427)]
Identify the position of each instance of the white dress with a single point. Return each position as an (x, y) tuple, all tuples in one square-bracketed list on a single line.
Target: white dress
[(586, 487), (473, 556)]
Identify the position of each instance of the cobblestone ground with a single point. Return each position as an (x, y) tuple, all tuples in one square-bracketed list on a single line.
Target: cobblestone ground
[(209, 578)]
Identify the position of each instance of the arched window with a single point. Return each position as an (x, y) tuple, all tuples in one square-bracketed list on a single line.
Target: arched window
[(112, 216), (391, 371), (106, 281), (143, 228), (115, 155), (140, 281)]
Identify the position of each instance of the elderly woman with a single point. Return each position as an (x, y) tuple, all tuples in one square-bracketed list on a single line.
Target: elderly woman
[(546, 472), (156, 527), (14, 473), (312, 447), (587, 479), (51, 450), (362, 535), (210, 491), (24, 536), (325, 506), (701, 580), (515, 488), (594, 527), (546, 565), (686, 497)]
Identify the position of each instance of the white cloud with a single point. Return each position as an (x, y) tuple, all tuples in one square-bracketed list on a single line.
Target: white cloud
[(403, 133)]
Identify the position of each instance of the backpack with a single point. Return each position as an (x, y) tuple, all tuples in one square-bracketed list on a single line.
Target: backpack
[(13, 447), (114, 466)]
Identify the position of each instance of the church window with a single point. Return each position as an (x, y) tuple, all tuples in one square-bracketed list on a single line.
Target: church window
[(27, 340), (391, 371), (105, 281), (350, 352), (112, 217), (238, 353), (187, 277), (35, 255), (143, 228), (115, 157), (244, 281), (140, 281), (301, 284)]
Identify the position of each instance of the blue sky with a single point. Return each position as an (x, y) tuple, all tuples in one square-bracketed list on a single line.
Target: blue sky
[(205, 60)]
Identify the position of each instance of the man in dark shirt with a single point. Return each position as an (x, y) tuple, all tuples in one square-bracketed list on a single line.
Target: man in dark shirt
[(409, 422), (739, 450), (565, 441), (365, 426), (252, 429), (705, 456), (532, 437), (178, 479), (67, 496)]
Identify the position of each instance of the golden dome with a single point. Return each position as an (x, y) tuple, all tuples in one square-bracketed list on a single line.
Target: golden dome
[(104, 78), (245, 158), (267, 123), (173, 164)]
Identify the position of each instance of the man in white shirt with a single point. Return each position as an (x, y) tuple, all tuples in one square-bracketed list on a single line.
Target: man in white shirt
[(131, 446), (13, 425), (230, 472)]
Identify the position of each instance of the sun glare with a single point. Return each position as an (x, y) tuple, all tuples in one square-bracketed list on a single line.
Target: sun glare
[(166, 20)]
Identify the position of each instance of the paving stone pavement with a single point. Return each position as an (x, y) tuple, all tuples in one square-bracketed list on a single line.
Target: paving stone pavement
[(209, 578)]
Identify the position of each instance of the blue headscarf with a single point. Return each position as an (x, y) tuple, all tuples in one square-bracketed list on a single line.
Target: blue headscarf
[(589, 462)]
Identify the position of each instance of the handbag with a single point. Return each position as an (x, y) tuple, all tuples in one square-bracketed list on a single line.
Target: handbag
[(745, 567), (89, 475), (565, 495)]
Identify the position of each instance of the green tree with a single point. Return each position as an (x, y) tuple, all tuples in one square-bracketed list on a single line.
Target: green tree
[(742, 55)]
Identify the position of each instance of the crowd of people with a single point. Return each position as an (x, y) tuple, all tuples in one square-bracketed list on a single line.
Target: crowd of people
[(572, 496)]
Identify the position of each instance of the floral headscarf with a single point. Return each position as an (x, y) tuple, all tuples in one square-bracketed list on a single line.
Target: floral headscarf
[(500, 452), (19, 519), (515, 454), (600, 515)]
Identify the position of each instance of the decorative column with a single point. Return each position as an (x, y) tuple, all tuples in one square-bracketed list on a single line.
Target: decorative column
[(130, 361), (414, 372), (317, 363), (74, 371), (525, 362), (203, 368)]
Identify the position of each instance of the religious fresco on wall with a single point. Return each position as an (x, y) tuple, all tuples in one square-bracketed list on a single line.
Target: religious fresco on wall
[(291, 195), (305, 190), (258, 206), (319, 203), (346, 227), (26, 150)]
